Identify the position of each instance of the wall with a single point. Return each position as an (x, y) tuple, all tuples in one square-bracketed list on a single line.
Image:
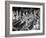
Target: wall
[(2, 19)]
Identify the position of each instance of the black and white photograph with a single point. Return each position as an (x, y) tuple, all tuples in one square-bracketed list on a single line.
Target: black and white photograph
[(25, 19)]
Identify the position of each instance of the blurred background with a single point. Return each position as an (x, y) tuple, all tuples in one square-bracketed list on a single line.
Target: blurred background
[(2, 19)]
